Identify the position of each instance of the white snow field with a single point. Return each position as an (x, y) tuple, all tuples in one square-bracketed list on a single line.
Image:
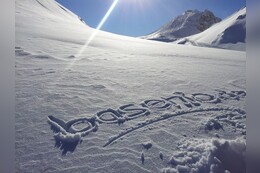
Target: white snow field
[(122, 104), (228, 34)]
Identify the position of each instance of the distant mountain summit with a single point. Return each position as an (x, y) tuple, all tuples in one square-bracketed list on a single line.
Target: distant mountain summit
[(189, 23), (228, 34)]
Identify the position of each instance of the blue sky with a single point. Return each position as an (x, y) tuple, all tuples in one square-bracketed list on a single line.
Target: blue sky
[(141, 17)]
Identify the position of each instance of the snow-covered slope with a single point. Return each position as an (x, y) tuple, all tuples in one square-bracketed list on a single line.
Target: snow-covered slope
[(123, 104), (228, 34), (189, 23), (44, 10)]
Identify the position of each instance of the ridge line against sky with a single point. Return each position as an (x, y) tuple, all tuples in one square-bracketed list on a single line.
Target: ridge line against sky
[(142, 17)]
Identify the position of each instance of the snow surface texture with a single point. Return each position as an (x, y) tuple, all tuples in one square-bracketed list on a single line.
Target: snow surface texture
[(124, 104), (212, 156), (228, 34), (189, 23)]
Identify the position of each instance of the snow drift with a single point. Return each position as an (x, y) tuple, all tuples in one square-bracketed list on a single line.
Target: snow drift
[(209, 156)]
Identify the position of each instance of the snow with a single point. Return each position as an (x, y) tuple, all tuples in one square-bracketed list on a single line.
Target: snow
[(228, 34), (100, 111), (204, 29), (214, 156), (189, 23)]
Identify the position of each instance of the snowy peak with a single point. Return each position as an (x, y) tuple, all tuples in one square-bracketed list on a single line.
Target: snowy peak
[(189, 23), (229, 33), (206, 20)]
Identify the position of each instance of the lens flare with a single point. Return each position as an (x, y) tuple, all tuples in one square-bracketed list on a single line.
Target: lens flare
[(93, 35)]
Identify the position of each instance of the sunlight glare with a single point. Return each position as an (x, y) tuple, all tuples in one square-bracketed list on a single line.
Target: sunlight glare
[(93, 35)]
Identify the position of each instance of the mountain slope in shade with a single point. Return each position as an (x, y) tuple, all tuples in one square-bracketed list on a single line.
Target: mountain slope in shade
[(189, 23), (228, 34)]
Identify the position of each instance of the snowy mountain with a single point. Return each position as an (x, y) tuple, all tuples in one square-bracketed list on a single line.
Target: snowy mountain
[(229, 34), (189, 23), (44, 10), (122, 104)]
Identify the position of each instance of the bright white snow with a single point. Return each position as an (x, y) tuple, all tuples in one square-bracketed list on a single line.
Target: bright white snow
[(89, 113)]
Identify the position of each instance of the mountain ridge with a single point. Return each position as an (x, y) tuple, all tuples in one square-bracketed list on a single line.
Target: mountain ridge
[(228, 34), (189, 23)]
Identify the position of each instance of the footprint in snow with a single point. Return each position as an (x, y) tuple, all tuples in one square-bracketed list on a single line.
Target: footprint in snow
[(142, 158), (161, 155), (147, 145)]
